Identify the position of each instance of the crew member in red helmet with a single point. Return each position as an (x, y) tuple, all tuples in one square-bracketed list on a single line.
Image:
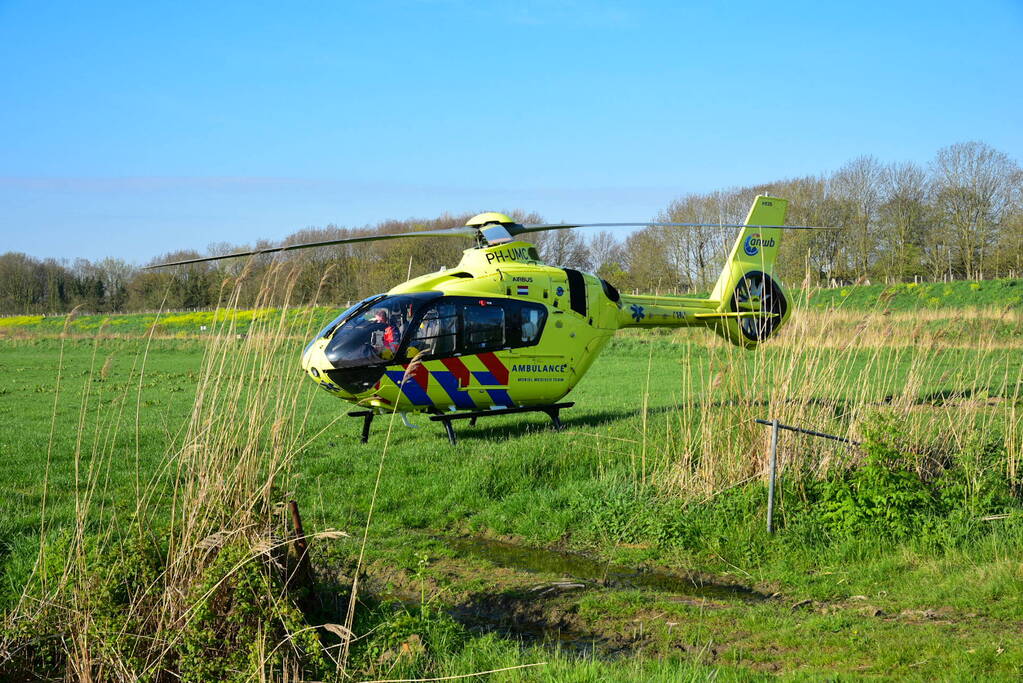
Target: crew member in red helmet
[(390, 338)]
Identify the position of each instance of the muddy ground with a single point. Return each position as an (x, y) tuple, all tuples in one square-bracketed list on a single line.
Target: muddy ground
[(581, 606)]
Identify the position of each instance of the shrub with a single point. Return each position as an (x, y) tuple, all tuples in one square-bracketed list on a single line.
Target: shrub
[(401, 639), (241, 616), (884, 497)]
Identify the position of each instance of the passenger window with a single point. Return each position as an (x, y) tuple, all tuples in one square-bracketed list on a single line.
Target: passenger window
[(458, 325), (532, 322), (525, 322), (484, 327)]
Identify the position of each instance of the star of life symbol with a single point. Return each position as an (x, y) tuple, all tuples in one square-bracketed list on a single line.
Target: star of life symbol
[(637, 312)]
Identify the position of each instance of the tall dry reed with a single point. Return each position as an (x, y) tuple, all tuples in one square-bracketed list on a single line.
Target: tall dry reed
[(949, 380), (221, 484)]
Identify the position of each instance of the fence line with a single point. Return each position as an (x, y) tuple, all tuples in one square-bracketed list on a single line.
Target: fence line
[(773, 459)]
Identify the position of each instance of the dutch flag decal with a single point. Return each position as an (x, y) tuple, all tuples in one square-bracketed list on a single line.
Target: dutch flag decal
[(523, 290)]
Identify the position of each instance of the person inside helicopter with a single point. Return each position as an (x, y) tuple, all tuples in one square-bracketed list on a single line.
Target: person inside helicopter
[(386, 333), (373, 334), (437, 331)]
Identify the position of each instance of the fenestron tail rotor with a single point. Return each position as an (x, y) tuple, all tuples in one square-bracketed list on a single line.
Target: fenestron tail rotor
[(757, 292)]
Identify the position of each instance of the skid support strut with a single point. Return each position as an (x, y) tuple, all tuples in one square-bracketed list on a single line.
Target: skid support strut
[(553, 411), (367, 420)]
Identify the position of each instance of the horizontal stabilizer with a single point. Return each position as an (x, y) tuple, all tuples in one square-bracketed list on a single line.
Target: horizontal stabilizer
[(728, 315)]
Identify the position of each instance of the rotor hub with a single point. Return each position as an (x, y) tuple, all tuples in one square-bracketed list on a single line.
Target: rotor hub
[(489, 217)]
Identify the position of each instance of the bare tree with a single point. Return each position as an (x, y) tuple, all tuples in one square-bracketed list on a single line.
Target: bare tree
[(697, 252), (650, 266), (903, 220), (974, 189), (857, 185), (811, 256), (562, 248), (607, 255), (19, 286), (115, 274)]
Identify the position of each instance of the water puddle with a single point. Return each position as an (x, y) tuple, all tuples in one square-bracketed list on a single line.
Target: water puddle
[(533, 623), (547, 614), (590, 570), (526, 619)]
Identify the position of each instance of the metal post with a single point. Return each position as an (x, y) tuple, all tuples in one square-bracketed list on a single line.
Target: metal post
[(800, 430), (770, 484)]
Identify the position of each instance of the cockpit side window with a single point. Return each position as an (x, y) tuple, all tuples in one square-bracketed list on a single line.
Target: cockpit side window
[(438, 331)]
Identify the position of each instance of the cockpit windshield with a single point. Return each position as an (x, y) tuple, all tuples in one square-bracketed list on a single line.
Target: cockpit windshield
[(374, 333), (330, 327)]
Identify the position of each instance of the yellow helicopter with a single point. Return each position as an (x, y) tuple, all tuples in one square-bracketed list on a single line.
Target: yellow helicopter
[(503, 332)]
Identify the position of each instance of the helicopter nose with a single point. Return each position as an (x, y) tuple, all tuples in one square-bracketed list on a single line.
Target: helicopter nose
[(314, 370), (316, 364)]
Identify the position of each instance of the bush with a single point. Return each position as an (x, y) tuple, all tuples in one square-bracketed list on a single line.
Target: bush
[(884, 497), (241, 617), (403, 641), (897, 494), (881, 498)]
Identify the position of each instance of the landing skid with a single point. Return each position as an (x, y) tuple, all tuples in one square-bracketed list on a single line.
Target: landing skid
[(553, 411)]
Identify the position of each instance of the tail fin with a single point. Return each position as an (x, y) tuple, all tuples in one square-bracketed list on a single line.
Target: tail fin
[(748, 283)]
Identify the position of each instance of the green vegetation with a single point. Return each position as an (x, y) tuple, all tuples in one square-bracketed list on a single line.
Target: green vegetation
[(910, 296), (155, 468), (193, 323)]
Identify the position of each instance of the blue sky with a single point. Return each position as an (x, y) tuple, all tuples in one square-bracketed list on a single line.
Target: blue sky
[(130, 129)]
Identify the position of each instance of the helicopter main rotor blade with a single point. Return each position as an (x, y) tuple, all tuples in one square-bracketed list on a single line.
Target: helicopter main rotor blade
[(519, 229), (461, 231), (478, 232)]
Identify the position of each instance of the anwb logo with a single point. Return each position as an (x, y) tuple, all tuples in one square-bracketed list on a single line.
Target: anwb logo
[(754, 242)]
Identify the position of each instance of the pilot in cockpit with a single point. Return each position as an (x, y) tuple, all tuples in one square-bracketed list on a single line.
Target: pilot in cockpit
[(386, 335)]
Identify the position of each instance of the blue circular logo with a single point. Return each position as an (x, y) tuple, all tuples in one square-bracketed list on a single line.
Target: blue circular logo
[(752, 245), (560, 291)]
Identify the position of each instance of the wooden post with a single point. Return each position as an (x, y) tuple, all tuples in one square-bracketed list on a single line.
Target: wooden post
[(303, 572)]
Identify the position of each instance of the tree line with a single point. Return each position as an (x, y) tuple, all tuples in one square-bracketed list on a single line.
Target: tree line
[(958, 217)]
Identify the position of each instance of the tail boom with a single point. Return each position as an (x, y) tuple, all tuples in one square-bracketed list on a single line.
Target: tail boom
[(663, 311)]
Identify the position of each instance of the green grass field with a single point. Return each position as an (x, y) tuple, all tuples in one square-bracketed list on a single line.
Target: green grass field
[(926, 295), (899, 560)]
